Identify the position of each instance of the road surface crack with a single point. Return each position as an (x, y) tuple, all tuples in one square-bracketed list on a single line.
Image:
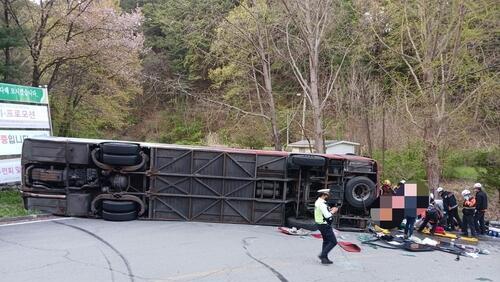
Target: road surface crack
[(246, 244)]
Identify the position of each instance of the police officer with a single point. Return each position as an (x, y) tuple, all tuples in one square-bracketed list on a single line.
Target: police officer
[(323, 216)]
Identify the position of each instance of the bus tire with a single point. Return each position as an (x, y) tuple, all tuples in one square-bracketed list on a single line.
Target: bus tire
[(119, 148), (360, 192), (119, 216), (307, 160), (118, 206), (120, 160)]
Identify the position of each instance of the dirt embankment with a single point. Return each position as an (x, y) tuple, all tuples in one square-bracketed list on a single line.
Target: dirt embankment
[(457, 186)]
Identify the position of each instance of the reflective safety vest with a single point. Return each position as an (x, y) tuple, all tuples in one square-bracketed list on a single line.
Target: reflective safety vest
[(319, 216), (469, 206)]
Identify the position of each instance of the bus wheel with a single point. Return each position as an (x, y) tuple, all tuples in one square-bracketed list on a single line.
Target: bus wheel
[(119, 216), (118, 206), (360, 192)]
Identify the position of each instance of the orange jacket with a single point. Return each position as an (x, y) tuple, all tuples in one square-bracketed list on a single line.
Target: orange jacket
[(469, 206)]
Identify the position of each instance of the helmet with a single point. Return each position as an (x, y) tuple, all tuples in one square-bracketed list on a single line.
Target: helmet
[(387, 182), (478, 186), (439, 189), (324, 191), (465, 192)]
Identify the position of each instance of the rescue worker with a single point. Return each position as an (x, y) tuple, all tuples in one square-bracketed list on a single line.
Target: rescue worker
[(387, 188), (450, 206), (323, 216), (481, 206), (438, 203), (432, 216), (469, 207)]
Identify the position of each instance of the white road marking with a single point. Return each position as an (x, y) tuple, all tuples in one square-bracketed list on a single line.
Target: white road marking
[(34, 221)]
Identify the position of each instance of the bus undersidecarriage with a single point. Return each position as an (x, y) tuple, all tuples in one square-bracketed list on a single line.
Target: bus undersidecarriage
[(123, 181)]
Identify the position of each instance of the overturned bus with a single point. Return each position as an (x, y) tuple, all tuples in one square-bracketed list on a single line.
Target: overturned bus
[(121, 181)]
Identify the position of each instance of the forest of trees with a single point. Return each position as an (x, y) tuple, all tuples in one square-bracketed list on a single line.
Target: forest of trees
[(414, 81)]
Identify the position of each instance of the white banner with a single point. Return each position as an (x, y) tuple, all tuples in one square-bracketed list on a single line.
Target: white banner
[(10, 170), (24, 116), (11, 141)]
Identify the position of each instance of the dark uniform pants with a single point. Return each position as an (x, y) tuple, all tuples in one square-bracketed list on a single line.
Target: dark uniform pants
[(479, 222), (469, 223), (453, 214), (329, 240)]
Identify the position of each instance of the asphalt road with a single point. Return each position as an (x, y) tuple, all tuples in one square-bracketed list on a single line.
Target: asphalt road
[(74, 249)]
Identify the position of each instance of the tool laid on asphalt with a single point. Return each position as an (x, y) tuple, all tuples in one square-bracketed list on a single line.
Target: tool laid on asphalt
[(451, 236), (416, 244), (347, 246), (380, 229), (295, 231), (445, 234)]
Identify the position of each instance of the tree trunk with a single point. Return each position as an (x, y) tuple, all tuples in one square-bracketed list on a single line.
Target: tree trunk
[(64, 127), (432, 163), (263, 51), (7, 48), (366, 106), (432, 166), (266, 71), (368, 134), (35, 77), (70, 105), (319, 144), (272, 109), (314, 94)]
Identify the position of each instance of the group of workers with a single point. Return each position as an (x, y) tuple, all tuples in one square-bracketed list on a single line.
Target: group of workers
[(444, 212)]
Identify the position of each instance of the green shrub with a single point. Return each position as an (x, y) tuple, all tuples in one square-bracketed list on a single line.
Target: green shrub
[(254, 138), (488, 165), (460, 172), (462, 164), (471, 165), (405, 164), (180, 131)]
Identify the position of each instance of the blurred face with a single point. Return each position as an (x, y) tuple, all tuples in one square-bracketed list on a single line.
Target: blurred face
[(325, 196)]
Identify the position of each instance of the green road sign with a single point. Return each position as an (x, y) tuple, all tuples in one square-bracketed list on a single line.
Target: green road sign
[(18, 93)]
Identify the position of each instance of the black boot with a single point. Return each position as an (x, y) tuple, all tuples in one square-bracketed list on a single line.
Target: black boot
[(326, 261)]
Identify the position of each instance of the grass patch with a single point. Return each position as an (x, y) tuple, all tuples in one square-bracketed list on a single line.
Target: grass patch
[(462, 172), (11, 204)]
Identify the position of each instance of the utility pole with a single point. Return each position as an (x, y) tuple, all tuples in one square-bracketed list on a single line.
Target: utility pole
[(287, 128), (303, 117)]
